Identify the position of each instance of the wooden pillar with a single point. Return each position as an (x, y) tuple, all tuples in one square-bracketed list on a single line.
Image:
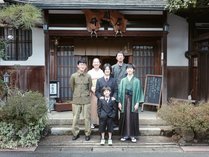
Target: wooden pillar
[(47, 55), (164, 59)]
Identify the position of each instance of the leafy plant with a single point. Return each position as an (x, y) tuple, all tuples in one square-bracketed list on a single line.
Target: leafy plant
[(23, 119), (3, 45), (174, 5), (187, 117), (20, 16)]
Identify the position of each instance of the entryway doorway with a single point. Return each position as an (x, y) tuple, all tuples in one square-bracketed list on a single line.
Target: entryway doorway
[(63, 61)]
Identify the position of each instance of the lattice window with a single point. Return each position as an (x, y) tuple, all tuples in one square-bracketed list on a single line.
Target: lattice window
[(66, 65), (143, 58), (19, 43)]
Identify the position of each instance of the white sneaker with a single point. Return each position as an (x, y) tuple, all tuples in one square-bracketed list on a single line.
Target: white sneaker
[(102, 142), (110, 142), (133, 139), (123, 139), (92, 126)]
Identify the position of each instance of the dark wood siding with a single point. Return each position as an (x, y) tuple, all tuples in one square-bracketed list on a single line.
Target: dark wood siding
[(25, 78), (177, 81), (203, 83)]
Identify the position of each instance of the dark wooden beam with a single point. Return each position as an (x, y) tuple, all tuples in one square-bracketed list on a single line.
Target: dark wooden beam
[(107, 33)]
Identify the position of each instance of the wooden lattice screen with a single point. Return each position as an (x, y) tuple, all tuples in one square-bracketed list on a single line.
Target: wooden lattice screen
[(143, 58), (66, 65)]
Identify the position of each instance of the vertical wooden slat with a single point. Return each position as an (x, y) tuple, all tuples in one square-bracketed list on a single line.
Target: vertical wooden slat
[(66, 65), (143, 55)]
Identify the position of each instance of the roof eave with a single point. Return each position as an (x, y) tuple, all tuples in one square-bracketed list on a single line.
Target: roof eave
[(92, 6)]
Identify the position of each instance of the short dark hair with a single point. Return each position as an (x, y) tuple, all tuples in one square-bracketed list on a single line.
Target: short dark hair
[(106, 88), (81, 61), (107, 65), (130, 65), (121, 53)]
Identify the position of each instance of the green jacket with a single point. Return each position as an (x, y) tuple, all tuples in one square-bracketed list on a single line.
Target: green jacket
[(81, 86), (137, 95)]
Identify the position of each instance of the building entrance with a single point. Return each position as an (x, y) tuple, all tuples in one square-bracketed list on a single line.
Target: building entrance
[(145, 56)]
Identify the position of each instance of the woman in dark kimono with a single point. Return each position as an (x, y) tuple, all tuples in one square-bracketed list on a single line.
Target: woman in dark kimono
[(130, 96)]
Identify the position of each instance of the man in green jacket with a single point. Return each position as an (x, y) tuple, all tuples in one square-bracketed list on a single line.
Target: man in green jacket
[(81, 85)]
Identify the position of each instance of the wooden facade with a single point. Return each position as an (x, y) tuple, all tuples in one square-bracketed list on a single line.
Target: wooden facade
[(198, 54), (142, 45), (67, 39), (25, 78)]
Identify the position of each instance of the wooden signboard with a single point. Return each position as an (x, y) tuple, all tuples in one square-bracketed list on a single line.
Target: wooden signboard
[(152, 91)]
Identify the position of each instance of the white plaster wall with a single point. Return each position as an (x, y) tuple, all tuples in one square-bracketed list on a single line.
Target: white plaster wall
[(177, 42), (38, 57)]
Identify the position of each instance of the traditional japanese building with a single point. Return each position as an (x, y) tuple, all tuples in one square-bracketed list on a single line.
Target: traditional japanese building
[(151, 38)]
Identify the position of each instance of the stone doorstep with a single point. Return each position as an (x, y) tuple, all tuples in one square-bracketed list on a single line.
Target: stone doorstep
[(143, 144), (64, 121), (144, 130), (66, 140)]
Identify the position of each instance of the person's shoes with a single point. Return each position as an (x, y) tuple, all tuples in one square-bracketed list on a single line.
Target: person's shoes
[(87, 138), (102, 142), (75, 137), (133, 139), (123, 139), (110, 142), (92, 126)]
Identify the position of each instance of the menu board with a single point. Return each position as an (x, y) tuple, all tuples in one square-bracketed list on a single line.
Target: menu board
[(153, 88)]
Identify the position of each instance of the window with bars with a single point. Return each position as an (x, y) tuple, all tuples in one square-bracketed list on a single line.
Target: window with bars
[(19, 44), (143, 58)]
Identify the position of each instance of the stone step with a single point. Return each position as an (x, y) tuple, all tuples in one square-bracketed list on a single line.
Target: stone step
[(143, 144), (145, 130), (68, 121), (65, 118)]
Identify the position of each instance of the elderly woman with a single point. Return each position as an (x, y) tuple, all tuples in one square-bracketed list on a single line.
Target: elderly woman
[(130, 96), (95, 74)]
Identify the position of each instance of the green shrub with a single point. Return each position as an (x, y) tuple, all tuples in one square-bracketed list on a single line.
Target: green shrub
[(23, 119), (21, 16), (187, 117)]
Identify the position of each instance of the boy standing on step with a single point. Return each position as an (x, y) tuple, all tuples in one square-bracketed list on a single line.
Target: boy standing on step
[(81, 83), (106, 109)]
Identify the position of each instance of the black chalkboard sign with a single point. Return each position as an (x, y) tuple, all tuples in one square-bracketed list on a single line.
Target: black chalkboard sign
[(152, 92)]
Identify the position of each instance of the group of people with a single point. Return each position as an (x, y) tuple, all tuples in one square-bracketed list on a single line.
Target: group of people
[(103, 93)]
